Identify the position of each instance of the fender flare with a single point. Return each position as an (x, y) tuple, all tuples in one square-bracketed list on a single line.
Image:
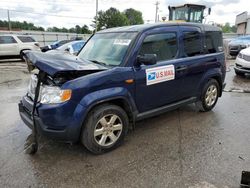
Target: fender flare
[(215, 74), (89, 101)]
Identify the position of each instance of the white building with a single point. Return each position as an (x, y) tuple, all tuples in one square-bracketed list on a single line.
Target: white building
[(243, 23)]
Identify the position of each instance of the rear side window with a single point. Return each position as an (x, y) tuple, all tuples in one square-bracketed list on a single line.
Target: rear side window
[(163, 45), (25, 39), (213, 42), (192, 43), (7, 40)]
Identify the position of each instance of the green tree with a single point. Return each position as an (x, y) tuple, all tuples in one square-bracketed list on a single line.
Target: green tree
[(85, 30), (21, 25), (234, 29), (78, 29), (111, 18), (30, 26), (72, 30), (134, 16)]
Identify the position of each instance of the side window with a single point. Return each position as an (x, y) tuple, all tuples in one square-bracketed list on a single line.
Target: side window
[(25, 39), (192, 43), (213, 41), (7, 40), (164, 45), (77, 46)]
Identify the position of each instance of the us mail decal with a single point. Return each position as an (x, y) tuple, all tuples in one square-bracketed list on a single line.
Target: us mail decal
[(160, 74)]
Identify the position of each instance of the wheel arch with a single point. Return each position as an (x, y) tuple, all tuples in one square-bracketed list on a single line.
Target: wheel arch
[(22, 50), (213, 74), (22, 54), (119, 101)]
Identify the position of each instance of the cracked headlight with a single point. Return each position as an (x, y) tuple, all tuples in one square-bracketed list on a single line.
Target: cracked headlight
[(54, 95)]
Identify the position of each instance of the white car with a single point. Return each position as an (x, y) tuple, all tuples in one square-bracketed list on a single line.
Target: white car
[(14, 45), (242, 64)]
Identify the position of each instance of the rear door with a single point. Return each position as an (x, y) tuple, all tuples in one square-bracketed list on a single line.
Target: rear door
[(8, 46), (158, 85), (194, 62)]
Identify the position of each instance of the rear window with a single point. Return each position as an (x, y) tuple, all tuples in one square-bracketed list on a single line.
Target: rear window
[(192, 43), (7, 40), (25, 39), (213, 42)]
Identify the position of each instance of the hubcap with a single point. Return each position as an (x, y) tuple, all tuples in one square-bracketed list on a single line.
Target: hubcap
[(211, 95), (108, 129)]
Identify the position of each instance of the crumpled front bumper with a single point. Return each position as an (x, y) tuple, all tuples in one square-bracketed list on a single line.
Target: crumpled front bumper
[(62, 133)]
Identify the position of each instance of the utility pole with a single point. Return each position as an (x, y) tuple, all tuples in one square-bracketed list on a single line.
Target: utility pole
[(96, 15), (8, 13), (156, 10)]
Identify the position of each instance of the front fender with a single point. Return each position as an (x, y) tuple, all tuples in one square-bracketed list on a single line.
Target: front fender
[(97, 97), (105, 95)]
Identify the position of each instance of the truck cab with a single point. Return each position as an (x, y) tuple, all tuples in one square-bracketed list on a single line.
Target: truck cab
[(120, 76), (187, 13)]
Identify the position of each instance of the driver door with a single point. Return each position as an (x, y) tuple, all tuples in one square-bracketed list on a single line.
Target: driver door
[(158, 85)]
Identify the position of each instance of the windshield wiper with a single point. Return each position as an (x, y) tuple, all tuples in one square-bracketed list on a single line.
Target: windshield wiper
[(98, 62)]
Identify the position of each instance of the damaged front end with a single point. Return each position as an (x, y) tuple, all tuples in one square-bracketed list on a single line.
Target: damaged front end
[(60, 69), (45, 88), (55, 71)]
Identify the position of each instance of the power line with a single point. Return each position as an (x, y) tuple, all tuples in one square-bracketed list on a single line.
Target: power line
[(44, 14)]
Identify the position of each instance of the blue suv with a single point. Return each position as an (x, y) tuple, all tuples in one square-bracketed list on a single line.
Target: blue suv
[(123, 75)]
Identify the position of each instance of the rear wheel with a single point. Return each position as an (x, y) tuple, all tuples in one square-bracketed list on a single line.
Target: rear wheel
[(105, 128), (209, 96), (239, 73)]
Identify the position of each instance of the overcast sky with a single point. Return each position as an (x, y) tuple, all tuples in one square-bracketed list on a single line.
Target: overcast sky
[(82, 11)]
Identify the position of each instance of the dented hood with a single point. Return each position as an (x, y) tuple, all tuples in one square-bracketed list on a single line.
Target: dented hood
[(53, 64)]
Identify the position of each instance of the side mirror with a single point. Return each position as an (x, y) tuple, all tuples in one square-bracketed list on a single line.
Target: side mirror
[(147, 59), (67, 50), (209, 11)]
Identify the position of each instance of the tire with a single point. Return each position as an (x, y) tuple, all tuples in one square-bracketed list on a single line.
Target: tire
[(209, 96), (22, 54), (239, 73), (105, 128)]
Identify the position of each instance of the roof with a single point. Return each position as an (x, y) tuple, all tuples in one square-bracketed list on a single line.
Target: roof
[(193, 5), (144, 27)]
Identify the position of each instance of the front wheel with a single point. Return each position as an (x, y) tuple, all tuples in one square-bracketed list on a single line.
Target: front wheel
[(105, 128), (209, 96)]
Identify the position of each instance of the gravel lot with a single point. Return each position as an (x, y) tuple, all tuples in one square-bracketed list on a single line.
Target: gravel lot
[(182, 148)]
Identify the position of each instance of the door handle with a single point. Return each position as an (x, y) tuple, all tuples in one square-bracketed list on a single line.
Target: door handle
[(181, 68)]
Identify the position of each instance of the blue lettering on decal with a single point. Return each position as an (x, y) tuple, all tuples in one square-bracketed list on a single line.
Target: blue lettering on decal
[(151, 76)]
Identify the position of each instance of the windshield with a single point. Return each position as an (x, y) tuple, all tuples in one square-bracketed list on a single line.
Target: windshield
[(107, 48), (180, 13)]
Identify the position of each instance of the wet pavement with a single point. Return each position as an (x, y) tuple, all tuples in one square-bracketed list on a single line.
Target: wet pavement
[(182, 148)]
